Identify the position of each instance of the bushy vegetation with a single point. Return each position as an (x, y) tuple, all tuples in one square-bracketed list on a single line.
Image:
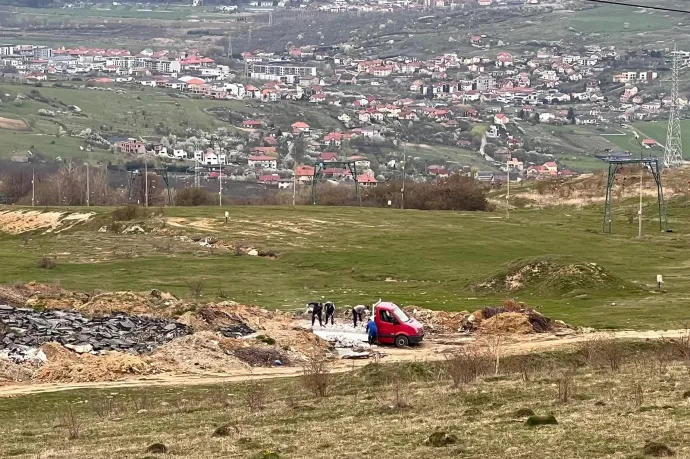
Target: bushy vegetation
[(194, 197)]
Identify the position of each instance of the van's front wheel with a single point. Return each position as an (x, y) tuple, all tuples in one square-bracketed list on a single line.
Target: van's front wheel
[(402, 341)]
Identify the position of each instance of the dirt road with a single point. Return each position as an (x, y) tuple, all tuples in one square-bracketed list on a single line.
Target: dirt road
[(431, 350)]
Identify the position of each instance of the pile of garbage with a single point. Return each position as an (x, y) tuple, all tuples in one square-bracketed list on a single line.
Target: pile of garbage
[(22, 330)]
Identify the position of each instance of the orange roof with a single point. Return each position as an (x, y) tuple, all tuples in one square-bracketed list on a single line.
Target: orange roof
[(196, 81), (300, 124), (366, 178)]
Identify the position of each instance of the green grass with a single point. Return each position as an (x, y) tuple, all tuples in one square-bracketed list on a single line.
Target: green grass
[(126, 12), (352, 256), (613, 19)]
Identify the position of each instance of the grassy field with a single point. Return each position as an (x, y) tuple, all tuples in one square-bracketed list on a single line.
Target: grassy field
[(353, 255), (382, 407), (177, 13), (612, 19)]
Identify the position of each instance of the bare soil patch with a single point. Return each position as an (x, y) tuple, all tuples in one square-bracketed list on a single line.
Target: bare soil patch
[(15, 125)]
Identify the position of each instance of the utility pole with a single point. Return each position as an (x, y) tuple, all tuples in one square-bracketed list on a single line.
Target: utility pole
[(146, 181), (402, 190), (220, 185), (33, 185), (508, 193), (88, 191), (230, 46), (294, 184)]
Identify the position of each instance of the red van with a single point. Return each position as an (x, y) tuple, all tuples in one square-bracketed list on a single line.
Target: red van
[(395, 327)]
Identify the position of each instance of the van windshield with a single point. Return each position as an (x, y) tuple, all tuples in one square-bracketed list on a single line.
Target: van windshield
[(400, 315)]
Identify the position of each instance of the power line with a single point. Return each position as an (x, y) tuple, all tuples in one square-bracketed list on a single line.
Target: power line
[(648, 7)]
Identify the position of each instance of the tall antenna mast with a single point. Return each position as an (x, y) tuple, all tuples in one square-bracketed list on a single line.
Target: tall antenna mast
[(673, 151)]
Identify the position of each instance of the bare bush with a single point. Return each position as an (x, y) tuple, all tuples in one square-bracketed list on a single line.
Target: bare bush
[(71, 423), (194, 197), (467, 364), (255, 397), (565, 388), (523, 365), (47, 262), (129, 212), (103, 406), (602, 352), (638, 394), (316, 374), (196, 286)]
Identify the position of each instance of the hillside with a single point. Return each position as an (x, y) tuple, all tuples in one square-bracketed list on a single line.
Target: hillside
[(352, 255)]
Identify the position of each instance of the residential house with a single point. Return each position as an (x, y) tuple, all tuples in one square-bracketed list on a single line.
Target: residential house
[(360, 161), (366, 181), (304, 174), (264, 151), (649, 143), (437, 171), (262, 162), (551, 168), (131, 146), (300, 127), (327, 156), (252, 124), (501, 119)]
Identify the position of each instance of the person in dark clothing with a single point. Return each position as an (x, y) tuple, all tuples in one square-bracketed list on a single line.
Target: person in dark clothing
[(358, 313), (330, 311), (316, 311)]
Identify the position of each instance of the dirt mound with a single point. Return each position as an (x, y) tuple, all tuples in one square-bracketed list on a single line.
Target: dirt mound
[(203, 351), (549, 275), (438, 321), (90, 368), (273, 324), (24, 221), (15, 372), (508, 322), (154, 302)]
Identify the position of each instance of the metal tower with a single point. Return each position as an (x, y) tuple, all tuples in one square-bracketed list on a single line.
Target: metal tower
[(673, 151)]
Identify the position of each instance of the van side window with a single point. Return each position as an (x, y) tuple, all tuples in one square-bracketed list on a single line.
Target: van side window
[(387, 317)]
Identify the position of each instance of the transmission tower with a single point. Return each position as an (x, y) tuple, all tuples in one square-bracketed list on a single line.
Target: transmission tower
[(673, 151)]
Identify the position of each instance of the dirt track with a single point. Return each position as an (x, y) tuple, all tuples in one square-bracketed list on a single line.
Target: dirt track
[(434, 349)]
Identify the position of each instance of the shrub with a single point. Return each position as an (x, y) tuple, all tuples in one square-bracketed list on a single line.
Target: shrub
[(316, 377), (256, 397), (196, 286), (194, 197), (71, 423), (656, 449), (439, 439), (537, 420), (157, 448), (466, 365), (128, 213), (47, 262)]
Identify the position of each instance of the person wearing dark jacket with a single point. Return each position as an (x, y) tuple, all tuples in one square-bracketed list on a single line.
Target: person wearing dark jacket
[(330, 311), (358, 312), (316, 311)]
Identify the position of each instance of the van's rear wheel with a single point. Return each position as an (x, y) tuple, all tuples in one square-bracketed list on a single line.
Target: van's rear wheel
[(402, 341)]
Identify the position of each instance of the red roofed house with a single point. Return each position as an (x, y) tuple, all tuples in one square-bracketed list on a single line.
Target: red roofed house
[(300, 127), (438, 171), (304, 174), (262, 161), (269, 179), (501, 119), (366, 180), (334, 172), (649, 143), (551, 168), (251, 124), (328, 156), (334, 138)]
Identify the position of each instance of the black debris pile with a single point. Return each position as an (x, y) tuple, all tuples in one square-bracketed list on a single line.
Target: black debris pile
[(24, 328)]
